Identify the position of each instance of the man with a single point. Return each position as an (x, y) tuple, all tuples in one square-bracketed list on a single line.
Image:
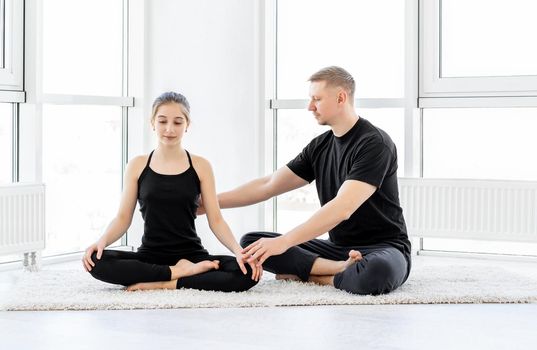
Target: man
[(355, 168)]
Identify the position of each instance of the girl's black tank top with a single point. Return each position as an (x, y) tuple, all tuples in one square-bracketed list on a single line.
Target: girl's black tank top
[(168, 204)]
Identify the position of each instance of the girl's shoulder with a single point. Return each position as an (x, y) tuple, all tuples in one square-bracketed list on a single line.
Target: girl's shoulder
[(136, 165), (198, 160), (200, 164), (139, 161)]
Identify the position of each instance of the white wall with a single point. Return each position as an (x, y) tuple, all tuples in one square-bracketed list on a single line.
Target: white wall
[(205, 49)]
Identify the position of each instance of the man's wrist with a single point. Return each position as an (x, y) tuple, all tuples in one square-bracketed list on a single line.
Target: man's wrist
[(288, 243)]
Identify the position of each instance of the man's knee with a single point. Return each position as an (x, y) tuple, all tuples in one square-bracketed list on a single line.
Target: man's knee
[(247, 239), (372, 276), (382, 277)]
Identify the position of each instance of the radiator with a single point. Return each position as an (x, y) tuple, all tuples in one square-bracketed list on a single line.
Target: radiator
[(22, 221), (470, 209)]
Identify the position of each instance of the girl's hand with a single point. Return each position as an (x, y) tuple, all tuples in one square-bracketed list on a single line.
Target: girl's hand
[(86, 259)]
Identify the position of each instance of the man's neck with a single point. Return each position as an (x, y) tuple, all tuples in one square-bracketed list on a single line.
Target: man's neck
[(344, 123)]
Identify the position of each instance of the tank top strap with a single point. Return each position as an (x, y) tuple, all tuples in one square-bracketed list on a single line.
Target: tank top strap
[(189, 159), (149, 158)]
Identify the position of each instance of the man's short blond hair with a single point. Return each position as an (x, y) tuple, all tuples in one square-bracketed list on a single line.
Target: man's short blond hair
[(336, 77)]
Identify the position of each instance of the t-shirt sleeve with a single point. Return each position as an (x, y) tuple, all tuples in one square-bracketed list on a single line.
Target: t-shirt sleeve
[(302, 165), (371, 163)]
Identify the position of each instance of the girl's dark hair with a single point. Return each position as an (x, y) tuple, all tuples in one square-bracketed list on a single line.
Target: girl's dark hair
[(171, 97)]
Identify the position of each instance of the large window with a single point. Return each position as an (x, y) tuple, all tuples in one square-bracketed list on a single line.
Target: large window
[(468, 60), (295, 129), (82, 173), (488, 49), (82, 47), (360, 36), (464, 59), (478, 48), (11, 45), (480, 143), (83, 113)]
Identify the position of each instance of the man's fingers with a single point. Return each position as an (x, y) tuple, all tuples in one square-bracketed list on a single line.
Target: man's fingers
[(245, 250), (255, 271), (243, 268), (262, 259), (260, 251), (248, 249), (259, 272), (257, 244)]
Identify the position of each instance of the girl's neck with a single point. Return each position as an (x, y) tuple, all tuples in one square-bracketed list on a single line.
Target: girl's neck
[(170, 152)]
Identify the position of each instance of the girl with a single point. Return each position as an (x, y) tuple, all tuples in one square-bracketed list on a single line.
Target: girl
[(168, 183)]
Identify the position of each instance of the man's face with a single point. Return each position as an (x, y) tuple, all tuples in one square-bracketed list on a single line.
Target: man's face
[(323, 102)]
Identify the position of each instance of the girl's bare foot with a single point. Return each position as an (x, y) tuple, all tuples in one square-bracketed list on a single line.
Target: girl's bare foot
[(185, 268), (153, 285)]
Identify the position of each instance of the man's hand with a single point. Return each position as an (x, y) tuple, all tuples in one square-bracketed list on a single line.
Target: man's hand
[(264, 248), (201, 208), (257, 271)]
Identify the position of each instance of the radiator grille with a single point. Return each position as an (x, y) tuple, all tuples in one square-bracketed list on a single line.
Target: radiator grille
[(473, 209), (22, 218)]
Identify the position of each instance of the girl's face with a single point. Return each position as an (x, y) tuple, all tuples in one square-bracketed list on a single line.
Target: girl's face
[(170, 124)]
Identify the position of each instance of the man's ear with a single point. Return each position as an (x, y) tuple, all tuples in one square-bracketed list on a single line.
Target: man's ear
[(342, 96)]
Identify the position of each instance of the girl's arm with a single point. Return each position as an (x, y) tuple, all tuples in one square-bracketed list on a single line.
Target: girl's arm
[(119, 225), (216, 221)]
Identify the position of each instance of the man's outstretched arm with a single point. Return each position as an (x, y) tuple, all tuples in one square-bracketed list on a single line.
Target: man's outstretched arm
[(281, 181), (350, 197)]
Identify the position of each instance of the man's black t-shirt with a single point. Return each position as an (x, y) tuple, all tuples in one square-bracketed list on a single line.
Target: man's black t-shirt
[(365, 153)]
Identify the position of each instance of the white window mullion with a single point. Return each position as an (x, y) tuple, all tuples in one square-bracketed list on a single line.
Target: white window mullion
[(63, 99), (412, 122), (12, 96), (358, 103)]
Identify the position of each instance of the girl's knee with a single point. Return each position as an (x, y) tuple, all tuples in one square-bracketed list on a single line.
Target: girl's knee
[(245, 283), (96, 269)]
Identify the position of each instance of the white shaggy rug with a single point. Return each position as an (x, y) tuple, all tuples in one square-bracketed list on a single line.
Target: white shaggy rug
[(432, 281)]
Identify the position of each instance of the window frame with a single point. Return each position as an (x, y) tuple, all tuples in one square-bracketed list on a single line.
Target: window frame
[(11, 73), (438, 91)]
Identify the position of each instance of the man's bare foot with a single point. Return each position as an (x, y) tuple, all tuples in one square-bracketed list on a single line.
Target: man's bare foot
[(354, 257), (285, 277), (153, 285), (185, 268)]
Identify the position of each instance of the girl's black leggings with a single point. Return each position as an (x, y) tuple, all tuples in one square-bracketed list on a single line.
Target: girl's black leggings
[(127, 268)]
